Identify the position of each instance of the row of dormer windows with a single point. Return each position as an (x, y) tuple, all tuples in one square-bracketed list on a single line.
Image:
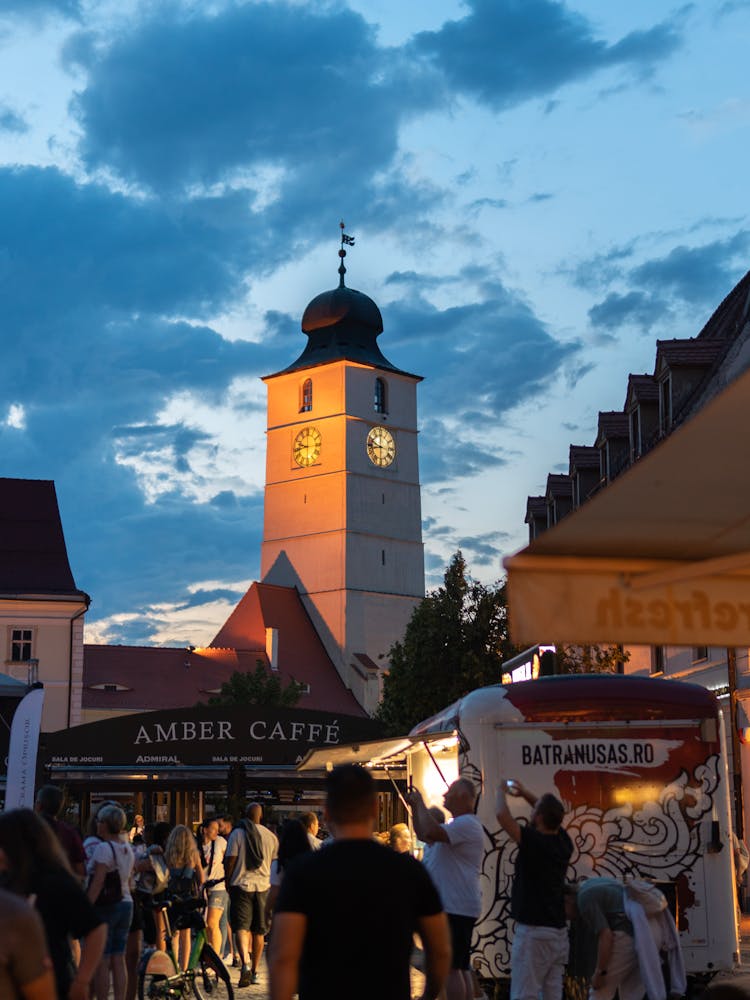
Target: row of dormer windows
[(380, 396)]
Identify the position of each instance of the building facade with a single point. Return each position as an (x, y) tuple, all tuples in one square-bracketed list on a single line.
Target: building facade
[(687, 374), (342, 521), (41, 609)]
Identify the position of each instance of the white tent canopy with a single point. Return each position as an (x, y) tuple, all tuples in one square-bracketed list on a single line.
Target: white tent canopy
[(661, 555)]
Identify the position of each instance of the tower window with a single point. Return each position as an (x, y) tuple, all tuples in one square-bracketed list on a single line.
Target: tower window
[(380, 396), (382, 556), (306, 396)]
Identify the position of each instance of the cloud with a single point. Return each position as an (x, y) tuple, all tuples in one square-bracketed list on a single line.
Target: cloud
[(185, 102), (640, 309), (32, 9), (90, 248), (507, 51), (686, 276), (119, 401), (11, 121), (482, 358)]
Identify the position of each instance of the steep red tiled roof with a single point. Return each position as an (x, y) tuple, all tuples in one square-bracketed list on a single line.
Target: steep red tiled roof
[(689, 353), (33, 557), (643, 389), (612, 424), (300, 651), (159, 677), (583, 457)]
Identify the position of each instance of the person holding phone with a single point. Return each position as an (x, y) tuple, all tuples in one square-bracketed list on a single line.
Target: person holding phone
[(456, 850), (537, 901)]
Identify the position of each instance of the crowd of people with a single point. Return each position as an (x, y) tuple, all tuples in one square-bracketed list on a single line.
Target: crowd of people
[(76, 913)]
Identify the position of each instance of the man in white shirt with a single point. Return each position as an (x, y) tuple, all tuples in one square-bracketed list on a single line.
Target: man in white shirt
[(247, 864), (454, 862), (310, 822)]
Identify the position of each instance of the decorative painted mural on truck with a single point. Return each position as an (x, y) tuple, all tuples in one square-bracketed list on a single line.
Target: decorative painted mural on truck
[(636, 763), (661, 838)]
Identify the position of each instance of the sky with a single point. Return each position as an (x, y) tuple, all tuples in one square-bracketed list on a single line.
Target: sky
[(537, 191)]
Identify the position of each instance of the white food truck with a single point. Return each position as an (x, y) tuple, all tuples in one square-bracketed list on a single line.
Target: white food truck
[(640, 766)]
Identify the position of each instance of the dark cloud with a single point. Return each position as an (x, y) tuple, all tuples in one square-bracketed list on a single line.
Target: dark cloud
[(32, 9), (89, 248), (304, 93), (697, 275), (481, 358), (487, 203), (483, 550), (11, 121), (446, 453), (639, 308), (692, 277), (506, 51), (88, 280), (602, 269)]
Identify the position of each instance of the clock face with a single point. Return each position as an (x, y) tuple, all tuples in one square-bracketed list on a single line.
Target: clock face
[(307, 446), (381, 448)]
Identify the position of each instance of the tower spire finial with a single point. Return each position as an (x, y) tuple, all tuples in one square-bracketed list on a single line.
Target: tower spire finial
[(345, 241)]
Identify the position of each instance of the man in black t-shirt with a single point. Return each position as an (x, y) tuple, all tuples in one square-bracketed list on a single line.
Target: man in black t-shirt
[(537, 901), (345, 914)]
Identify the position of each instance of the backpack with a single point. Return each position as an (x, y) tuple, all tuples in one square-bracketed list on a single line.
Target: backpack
[(111, 890), (183, 882), (253, 846), (640, 890)]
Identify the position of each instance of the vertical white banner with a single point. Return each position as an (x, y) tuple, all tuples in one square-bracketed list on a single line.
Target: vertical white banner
[(24, 743)]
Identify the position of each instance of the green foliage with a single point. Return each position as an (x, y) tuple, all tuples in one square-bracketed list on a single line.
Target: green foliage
[(456, 641), (258, 688), (591, 659)]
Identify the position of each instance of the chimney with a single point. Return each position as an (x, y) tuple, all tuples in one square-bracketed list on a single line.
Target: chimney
[(272, 647)]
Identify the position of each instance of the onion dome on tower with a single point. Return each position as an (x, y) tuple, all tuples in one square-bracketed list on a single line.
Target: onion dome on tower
[(342, 324)]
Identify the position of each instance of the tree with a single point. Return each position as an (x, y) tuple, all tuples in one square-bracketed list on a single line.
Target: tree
[(591, 659), (258, 688), (456, 641)]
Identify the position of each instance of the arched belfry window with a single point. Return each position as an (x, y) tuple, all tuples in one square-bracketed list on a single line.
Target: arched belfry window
[(306, 396), (380, 396)]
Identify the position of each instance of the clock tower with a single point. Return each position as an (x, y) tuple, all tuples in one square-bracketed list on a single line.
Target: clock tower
[(342, 520)]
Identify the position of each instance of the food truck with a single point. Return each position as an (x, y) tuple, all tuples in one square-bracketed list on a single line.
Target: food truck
[(640, 766)]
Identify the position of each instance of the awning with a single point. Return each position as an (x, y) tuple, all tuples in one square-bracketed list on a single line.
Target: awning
[(661, 555), (389, 751)]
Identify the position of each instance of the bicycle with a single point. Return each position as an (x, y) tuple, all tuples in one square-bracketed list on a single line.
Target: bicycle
[(206, 977)]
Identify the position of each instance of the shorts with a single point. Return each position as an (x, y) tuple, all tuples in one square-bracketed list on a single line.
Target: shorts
[(247, 910), (218, 899), (537, 962), (461, 930), (117, 917)]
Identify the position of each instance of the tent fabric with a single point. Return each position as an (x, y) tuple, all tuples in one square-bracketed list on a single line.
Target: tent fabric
[(392, 751), (661, 556)]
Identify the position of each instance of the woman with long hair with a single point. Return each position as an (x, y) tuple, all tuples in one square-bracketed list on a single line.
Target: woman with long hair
[(33, 864), (212, 850), (115, 856), (293, 841), (184, 863)]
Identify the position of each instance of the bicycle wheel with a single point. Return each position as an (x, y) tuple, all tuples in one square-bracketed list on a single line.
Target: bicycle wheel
[(211, 977), (157, 979)]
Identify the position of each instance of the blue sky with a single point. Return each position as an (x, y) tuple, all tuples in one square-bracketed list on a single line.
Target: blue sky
[(537, 190)]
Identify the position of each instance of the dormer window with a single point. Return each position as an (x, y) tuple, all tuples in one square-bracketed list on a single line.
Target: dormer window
[(306, 405), (380, 396)]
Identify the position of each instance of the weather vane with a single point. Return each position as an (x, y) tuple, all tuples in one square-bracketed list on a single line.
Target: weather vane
[(347, 241)]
